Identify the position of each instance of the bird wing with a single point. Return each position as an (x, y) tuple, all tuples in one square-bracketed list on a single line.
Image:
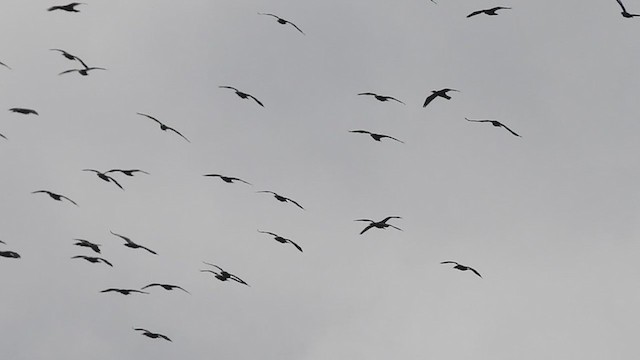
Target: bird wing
[(237, 179), (214, 265), (294, 244), (151, 117), (391, 137), (621, 5), (79, 257), (364, 220), (109, 290), (68, 71), (395, 227), (449, 262), (368, 93), (164, 337), (475, 13), (177, 132), (295, 203), (360, 131), (474, 270), (114, 181), (366, 228), (123, 237), (93, 68), (429, 99), (237, 279), (228, 87), (477, 120), (295, 26), (95, 171), (213, 175), (392, 98), (267, 232), (389, 218), (256, 100), (71, 201), (5, 65), (105, 261), (150, 285), (275, 16), (178, 287), (511, 131), (267, 191), (149, 250)]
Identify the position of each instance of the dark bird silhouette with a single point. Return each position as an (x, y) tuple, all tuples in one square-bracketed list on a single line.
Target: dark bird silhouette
[(123, 291), (164, 127), (281, 240), (461, 267), (10, 254), (281, 198), (70, 56), (89, 244), (92, 259), (495, 123), (83, 72), (127, 172), (69, 7), (5, 65), (55, 196), (166, 287), (130, 244), (438, 93), (23, 111), (375, 136), (382, 224), (227, 179), (152, 335), (223, 275), (283, 21), (105, 177), (381, 97), (624, 11), (241, 94), (491, 11)]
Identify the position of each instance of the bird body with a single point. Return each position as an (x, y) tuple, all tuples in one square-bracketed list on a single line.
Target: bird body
[(92, 259), (281, 240), (495, 123), (282, 198), (24, 111), (382, 224), (55, 196), (461, 267), (382, 98), (241, 94), (376, 137), (438, 93)]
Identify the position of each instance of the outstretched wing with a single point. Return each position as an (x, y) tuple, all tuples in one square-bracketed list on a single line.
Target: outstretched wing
[(475, 13), (105, 261), (477, 120), (68, 71), (294, 244), (368, 93), (392, 98), (177, 132), (228, 87), (256, 100), (474, 270), (237, 279), (214, 265), (449, 262), (150, 117), (392, 138), (429, 99), (275, 16), (71, 201), (149, 250), (237, 179), (366, 228), (360, 131), (511, 131), (267, 232), (295, 203), (295, 26), (122, 237)]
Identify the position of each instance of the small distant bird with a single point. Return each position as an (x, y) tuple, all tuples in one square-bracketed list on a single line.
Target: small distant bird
[(70, 56), (227, 179), (281, 198), (382, 224), (23, 111), (281, 240), (10, 254), (92, 259), (127, 172), (55, 196), (461, 267), (495, 123), (491, 11), (83, 72), (166, 287), (89, 244), (283, 21), (375, 136), (5, 65), (123, 291), (223, 275), (241, 94), (438, 93), (105, 177), (381, 97), (152, 335), (131, 244), (69, 7), (164, 127), (624, 11)]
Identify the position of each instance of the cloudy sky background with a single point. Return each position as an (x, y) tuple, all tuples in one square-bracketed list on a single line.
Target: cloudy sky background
[(550, 219)]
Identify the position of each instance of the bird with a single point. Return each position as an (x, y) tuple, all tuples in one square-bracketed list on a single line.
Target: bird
[(166, 287), (164, 127), (381, 97), (382, 224), (123, 291), (624, 11), (375, 136), (131, 244), (223, 275), (491, 11), (55, 196), (241, 94), (10, 254), (69, 7), (495, 123), (283, 21), (281, 240), (227, 179), (92, 259), (461, 267), (281, 198), (436, 93), (69, 56), (83, 72), (24, 111), (127, 172), (5, 65), (152, 335), (105, 177), (89, 244)]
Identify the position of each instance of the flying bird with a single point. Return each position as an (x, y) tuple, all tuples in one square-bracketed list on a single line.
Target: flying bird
[(5, 65), (461, 267), (382, 224), (624, 11), (123, 291), (10, 254), (281, 240), (89, 244), (164, 127), (438, 93), (241, 94), (152, 335), (127, 172), (105, 177), (381, 97), (83, 72), (69, 7), (491, 11), (92, 259), (166, 287), (223, 275), (495, 123), (70, 56), (375, 136), (281, 198), (55, 196), (23, 111), (227, 179), (283, 21), (130, 244)]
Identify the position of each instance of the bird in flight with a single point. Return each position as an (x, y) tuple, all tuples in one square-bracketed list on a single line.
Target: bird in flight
[(166, 287), (283, 21), (461, 267), (382, 97), (92, 259), (83, 72), (69, 7), (375, 136), (105, 177), (131, 244), (227, 179), (123, 291), (10, 254), (382, 224), (69, 56), (241, 94), (438, 93), (281, 240), (127, 172), (491, 11), (281, 198), (55, 196), (89, 244), (23, 111), (152, 335), (624, 11), (164, 127), (495, 123), (5, 65), (223, 275)]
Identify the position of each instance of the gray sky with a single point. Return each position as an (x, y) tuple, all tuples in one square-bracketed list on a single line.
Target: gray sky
[(550, 219)]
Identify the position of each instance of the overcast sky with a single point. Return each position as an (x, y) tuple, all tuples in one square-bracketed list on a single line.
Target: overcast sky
[(549, 219)]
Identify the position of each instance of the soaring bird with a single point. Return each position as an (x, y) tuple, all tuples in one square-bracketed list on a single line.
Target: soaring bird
[(283, 21), (495, 123), (375, 136), (624, 11), (382, 98), (70, 56), (131, 244), (382, 224), (281, 198), (164, 127), (89, 244), (436, 93), (83, 72), (166, 287), (69, 7), (10, 254), (241, 94), (227, 179), (491, 11), (127, 172), (461, 267), (105, 177), (223, 275), (152, 335), (23, 111), (123, 291), (281, 240), (92, 259), (55, 196), (5, 65)]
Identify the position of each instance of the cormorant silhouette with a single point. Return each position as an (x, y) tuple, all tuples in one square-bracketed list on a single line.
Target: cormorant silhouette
[(227, 179), (127, 172), (166, 287), (10, 254), (92, 259), (375, 136), (131, 244), (283, 21), (69, 7), (624, 11), (241, 94), (152, 335), (105, 177), (89, 244), (382, 224), (123, 291), (491, 11), (23, 111), (281, 198), (281, 240), (461, 267), (164, 127), (495, 123), (55, 196), (381, 97), (436, 93), (223, 275)]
